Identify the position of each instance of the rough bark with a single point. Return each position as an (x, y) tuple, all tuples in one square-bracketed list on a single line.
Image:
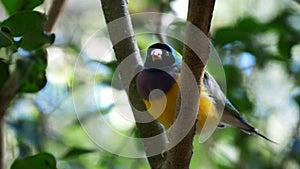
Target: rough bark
[(195, 56), (124, 44), (200, 14)]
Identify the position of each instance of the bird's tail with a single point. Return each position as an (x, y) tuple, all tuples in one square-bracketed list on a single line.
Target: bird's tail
[(261, 135), (232, 117)]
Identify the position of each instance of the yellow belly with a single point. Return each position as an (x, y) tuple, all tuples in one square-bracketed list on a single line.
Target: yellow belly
[(164, 108)]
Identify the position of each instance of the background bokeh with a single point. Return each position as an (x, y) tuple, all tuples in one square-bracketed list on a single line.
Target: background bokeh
[(257, 42)]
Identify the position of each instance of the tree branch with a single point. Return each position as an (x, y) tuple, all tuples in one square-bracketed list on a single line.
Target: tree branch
[(8, 92), (195, 56), (124, 44), (54, 12)]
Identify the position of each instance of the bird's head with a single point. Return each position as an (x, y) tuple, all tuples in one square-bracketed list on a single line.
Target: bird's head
[(160, 56)]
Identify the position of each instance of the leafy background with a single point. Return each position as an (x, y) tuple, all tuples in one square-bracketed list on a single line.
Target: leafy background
[(257, 42)]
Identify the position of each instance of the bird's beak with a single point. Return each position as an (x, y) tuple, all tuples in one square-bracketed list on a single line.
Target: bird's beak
[(156, 57), (156, 54)]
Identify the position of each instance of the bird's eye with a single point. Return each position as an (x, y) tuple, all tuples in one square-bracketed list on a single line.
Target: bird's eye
[(167, 53)]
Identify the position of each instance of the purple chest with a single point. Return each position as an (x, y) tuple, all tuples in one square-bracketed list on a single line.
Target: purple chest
[(150, 79)]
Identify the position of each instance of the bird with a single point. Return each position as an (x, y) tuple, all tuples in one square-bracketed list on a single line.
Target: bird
[(161, 72)]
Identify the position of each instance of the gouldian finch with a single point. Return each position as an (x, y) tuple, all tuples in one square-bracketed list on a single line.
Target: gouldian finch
[(162, 71)]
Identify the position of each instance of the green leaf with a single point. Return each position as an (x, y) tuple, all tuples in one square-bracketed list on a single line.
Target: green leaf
[(77, 151), (5, 39), (39, 161), (13, 6), (4, 71), (24, 22), (32, 69), (29, 25), (34, 40)]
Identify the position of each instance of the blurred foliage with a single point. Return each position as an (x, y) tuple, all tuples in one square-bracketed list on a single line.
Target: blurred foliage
[(32, 69), (24, 41), (39, 161), (76, 151), (23, 45), (81, 68)]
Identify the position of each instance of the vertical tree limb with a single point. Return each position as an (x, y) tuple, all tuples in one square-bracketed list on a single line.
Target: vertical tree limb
[(128, 57), (200, 15)]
